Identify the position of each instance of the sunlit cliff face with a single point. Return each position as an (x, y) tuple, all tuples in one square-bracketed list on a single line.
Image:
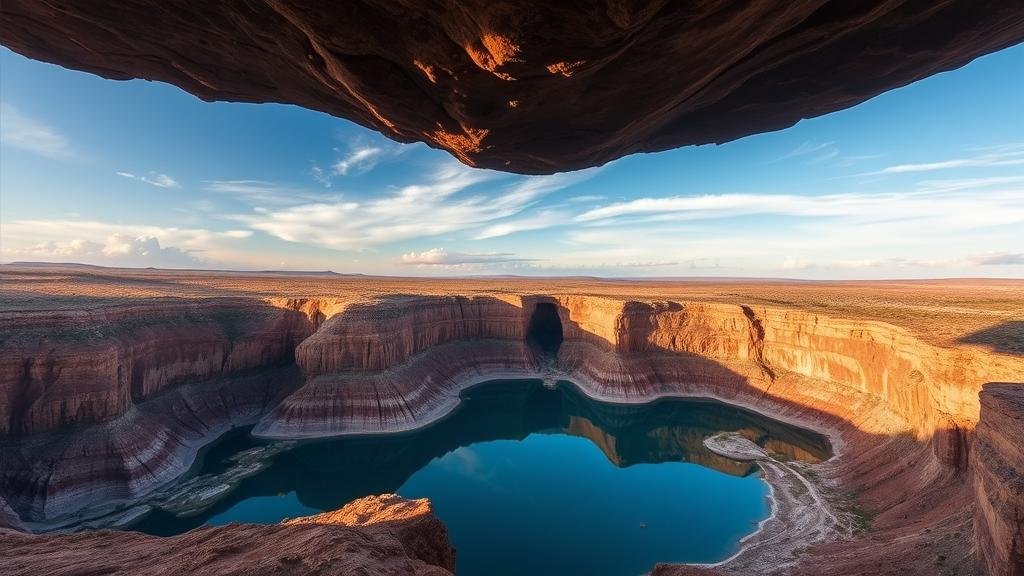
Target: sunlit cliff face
[(900, 412)]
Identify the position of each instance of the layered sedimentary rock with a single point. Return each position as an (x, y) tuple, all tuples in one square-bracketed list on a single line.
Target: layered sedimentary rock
[(89, 366), (903, 410), (141, 388), (997, 459), (383, 535), (44, 476), (525, 86), (901, 413)]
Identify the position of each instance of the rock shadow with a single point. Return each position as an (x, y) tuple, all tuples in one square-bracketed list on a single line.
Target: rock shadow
[(1005, 338)]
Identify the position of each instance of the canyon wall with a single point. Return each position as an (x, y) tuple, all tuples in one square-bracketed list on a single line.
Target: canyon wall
[(998, 471), (133, 393), (89, 366), (105, 404)]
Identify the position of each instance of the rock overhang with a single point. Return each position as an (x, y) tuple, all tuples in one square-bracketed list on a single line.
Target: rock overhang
[(527, 87)]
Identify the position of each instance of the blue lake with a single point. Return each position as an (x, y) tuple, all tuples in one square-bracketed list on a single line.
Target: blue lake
[(537, 481)]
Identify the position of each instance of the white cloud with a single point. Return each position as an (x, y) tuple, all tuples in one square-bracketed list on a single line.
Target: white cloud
[(996, 259), (807, 148), (262, 193), (358, 160), (951, 210), (110, 244), (448, 201), (153, 178), (441, 257), (1006, 155), (832, 235), (585, 198), (536, 221), (116, 250), (951, 185), (797, 264), (20, 131)]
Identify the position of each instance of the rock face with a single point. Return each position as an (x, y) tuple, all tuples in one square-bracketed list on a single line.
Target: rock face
[(998, 470), (524, 86), (382, 535), (412, 521), (90, 366), (145, 387), (914, 441)]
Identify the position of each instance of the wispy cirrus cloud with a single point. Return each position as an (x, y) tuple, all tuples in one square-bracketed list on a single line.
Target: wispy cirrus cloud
[(442, 257), (826, 153), (807, 149), (31, 135), (450, 199), (358, 160), (262, 193), (535, 221), (152, 178), (953, 209), (994, 156), (361, 156)]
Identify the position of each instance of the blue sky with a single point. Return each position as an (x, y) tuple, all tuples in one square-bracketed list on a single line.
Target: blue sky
[(924, 181)]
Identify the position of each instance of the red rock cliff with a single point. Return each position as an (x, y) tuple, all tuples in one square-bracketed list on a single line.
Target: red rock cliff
[(381, 535), (530, 87), (903, 413), (90, 366), (998, 471)]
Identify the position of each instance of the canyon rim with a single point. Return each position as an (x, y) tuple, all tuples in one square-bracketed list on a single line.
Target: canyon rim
[(282, 283)]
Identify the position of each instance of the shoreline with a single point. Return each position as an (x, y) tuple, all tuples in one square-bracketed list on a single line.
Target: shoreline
[(763, 538)]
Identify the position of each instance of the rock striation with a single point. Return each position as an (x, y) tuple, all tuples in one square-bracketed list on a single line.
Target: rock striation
[(382, 535), (143, 387), (89, 366), (524, 86), (998, 470), (932, 466)]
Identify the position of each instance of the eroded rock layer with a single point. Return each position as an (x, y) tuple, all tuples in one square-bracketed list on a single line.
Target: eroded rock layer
[(382, 535), (998, 470), (525, 86), (88, 366), (929, 464)]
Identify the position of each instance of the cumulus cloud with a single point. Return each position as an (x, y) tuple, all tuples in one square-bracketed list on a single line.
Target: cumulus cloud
[(153, 178), (117, 250), (441, 257), (103, 243), (20, 131)]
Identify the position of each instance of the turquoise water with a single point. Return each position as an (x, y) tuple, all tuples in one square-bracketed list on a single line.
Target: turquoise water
[(537, 481)]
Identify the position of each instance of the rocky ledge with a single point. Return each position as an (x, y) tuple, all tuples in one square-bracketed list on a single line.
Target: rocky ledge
[(382, 535), (530, 87)]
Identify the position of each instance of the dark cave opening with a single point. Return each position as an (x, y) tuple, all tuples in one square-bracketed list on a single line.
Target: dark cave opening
[(545, 330)]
